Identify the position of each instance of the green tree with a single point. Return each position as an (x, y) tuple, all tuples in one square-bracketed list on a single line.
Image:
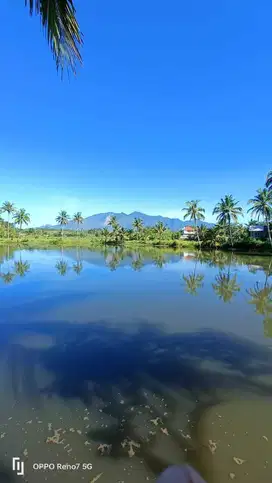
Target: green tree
[(62, 219), (194, 212), (21, 217), (262, 207), (227, 210), (58, 18), (9, 208), (113, 222), (138, 226), (105, 234), (78, 219), (160, 228)]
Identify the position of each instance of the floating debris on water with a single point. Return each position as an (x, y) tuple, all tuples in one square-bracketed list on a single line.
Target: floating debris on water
[(104, 448), (29, 422), (130, 444), (86, 419), (212, 446), (96, 478), (56, 438), (156, 421), (232, 476), (238, 461), (265, 437), (72, 430), (49, 426), (3, 435), (164, 431), (87, 443), (25, 452)]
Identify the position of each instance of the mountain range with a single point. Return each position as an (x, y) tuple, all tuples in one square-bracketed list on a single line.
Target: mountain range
[(100, 220)]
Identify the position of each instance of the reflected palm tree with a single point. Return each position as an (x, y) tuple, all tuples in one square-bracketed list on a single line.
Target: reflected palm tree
[(21, 268), (194, 281), (226, 286), (78, 266), (8, 277), (261, 297), (159, 260), (113, 259), (137, 263), (62, 267)]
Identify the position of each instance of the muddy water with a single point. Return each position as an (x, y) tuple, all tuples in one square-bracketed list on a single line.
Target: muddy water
[(115, 364)]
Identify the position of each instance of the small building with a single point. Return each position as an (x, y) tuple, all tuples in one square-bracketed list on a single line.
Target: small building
[(188, 232), (258, 231)]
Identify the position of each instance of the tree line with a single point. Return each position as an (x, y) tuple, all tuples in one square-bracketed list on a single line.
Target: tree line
[(227, 231)]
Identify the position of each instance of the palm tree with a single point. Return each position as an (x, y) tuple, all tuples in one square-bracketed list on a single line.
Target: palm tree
[(58, 18), (62, 219), (262, 207), (21, 217), (194, 212), (225, 286), (78, 219), (228, 211), (105, 234), (9, 208), (137, 263), (268, 183), (159, 259), (113, 222), (21, 268), (160, 228), (62, 267), (138, 225)]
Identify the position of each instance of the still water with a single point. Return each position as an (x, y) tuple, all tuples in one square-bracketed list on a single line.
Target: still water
[(128, 361)]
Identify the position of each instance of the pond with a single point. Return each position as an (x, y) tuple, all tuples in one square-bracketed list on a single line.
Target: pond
[(113, 361)]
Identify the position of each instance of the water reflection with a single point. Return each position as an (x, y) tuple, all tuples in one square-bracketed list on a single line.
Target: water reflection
[(226, 286)]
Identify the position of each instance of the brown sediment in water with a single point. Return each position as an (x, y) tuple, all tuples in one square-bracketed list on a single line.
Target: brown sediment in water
[(233, 442)]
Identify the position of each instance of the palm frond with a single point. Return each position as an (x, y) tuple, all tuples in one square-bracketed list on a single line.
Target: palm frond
[(58, 18)]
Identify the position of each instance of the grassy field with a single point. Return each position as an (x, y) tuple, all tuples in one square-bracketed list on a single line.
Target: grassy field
[(89, 241)]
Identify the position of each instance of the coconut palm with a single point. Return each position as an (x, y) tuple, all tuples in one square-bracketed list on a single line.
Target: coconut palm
[(9, 208), (62, 219), (113, 222), (226, 286), (160, 228), (137, 263), (105, 234), (78, 219), (58, 18), (193, 282), (194, 212), (158, 259), (262, 207), (138, 225), (21, 217), (268, 183), (21, 268), (227, 211), (78, 267)]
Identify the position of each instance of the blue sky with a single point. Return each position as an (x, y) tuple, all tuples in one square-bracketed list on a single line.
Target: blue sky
[(173, 103)]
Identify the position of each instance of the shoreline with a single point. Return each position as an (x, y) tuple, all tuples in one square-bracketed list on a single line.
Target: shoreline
[(71, 242)]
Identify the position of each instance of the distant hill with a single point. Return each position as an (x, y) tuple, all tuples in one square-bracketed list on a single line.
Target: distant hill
[(101, 219)]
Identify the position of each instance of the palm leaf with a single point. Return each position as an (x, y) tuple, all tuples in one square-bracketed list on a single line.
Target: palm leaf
[(62, 30)]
